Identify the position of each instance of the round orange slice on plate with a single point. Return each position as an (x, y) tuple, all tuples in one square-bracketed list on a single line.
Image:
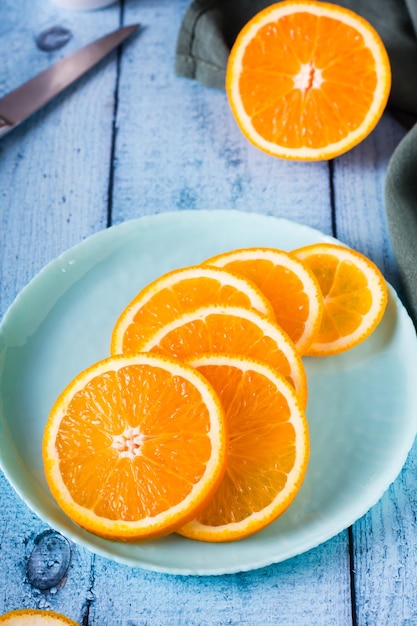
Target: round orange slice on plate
[(355, 296), (234, 330), (307, 80), (134, 446), (268, 448), (177, 292), (289, 285)]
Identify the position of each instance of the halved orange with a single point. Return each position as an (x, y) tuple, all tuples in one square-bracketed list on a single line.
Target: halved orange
[(35, 617), (355, 296), (235, 330), (177, 292), (134, 446), (268, 448), (289, 285), (307, 80)]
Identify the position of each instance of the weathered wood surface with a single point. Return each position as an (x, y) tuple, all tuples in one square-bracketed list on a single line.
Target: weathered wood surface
[(132, 139)]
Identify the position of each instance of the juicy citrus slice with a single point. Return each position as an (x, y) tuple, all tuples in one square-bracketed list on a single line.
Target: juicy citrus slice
[(288, 284), (177, 292), (234, 330), (307, 80), (35, 617), (268, 448), (355, 296), (134, 445)]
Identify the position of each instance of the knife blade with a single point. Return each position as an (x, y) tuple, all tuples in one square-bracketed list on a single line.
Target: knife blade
[(21, 103)]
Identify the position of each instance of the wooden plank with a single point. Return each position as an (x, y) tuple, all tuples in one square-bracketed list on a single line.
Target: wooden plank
[(359, 179), (310, 589), (385, 556), (178, 146), (54, 169), (20, 534), (383, 540), (54, 180)]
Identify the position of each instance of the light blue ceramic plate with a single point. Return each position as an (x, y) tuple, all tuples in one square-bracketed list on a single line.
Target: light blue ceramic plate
[(362, 406)]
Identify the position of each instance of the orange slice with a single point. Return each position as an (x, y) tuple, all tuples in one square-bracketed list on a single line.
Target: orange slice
[(355, 296), (307, 80), (234, 330), (268, 448), (177, 292), (134, 446), (35, 617), (289, 285)]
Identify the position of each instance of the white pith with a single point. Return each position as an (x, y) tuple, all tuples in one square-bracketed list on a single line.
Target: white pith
[(128, 444), (309, 77)]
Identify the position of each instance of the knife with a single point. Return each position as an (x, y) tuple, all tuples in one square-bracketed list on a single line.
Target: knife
[(21, 103)]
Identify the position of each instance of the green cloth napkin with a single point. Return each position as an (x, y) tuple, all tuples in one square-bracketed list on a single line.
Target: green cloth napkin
[(206, 36)]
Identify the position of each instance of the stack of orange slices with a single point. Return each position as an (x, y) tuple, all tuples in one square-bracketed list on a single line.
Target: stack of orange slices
[(197, 423)]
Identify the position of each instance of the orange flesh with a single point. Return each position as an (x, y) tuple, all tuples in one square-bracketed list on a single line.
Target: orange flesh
[(261, 444), (166, 305), (338, 88), (283, 289), (224, 333), (119, 486), (346, 293)]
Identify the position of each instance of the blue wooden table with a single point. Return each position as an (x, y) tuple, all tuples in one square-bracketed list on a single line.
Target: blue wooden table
[(132, 139)]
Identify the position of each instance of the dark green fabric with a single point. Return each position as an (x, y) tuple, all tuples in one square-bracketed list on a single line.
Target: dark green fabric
[(206, 36), (401, 207)]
